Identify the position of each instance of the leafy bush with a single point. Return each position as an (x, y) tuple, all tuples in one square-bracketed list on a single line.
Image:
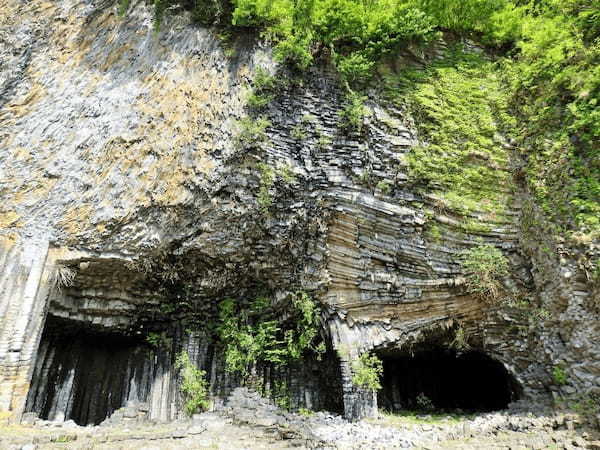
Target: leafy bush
[(255, 335), (354, 113), (559, 375), (367, 371), (252, 132), (194, 386), (485, 265)]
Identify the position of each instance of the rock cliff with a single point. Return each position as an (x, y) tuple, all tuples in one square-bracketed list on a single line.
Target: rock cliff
[(131, 208)]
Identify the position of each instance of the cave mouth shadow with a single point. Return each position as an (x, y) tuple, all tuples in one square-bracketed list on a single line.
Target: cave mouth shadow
[(85, 374), (440, 379)]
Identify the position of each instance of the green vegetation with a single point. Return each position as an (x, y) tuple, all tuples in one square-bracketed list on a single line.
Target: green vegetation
[(268, 175), (194, 386), (461, 340), (255, 335), (542, 89), (402, 418), (367, 371), (458, 103), (264, 86), (252, 132), (159, 340), (485, 265), (354, 113), (559, 375)]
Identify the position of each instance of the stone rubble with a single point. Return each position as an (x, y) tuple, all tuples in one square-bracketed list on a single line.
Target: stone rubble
[(246, 414)]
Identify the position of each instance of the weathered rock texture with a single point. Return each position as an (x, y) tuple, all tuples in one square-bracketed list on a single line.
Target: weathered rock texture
[(119, 144)]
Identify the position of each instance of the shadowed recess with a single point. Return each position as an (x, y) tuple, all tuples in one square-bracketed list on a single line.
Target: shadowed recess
[(442, 379), (85, 375)]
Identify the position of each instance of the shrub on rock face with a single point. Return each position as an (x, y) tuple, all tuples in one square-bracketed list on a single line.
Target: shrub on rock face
[(367, 371), (485, 265), (193, 385)]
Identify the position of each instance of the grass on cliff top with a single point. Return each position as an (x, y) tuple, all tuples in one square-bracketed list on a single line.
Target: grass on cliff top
[(458, 104)]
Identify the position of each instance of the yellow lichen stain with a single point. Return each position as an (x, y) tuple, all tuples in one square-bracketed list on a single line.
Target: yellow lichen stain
[(22, 106), (9, 219), (77, 219)]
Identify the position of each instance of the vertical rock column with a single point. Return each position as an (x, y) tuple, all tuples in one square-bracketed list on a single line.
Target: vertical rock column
[(24, 286), (358, 403)]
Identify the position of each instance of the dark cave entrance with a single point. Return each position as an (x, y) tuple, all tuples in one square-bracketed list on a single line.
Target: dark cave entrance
[(442, 379), (85, 374)]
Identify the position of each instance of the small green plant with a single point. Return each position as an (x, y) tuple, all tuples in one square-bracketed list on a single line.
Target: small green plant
[(587, 406), (559, 375), (194, 386), (367, 371), (323, 142), (461, 340), (434, 233), (282, 395), (305, 412), (424, 402), (123, 7), (267, 179), (354, 112), (384, 186), (287, 174), (159, 340), (263, 89), (252, 133), (485, 265), (298, 132)]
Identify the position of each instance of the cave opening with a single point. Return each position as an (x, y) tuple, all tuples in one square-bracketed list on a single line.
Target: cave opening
[(85, 374), (440, 379)]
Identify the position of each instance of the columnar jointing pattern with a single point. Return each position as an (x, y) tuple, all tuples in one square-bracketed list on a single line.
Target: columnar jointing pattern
[(24, 284), (87, 376)]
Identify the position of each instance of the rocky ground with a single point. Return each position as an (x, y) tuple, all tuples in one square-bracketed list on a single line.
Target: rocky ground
[(248, 421)]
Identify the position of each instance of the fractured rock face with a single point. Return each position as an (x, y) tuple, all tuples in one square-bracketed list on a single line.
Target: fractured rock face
[(120, 144)]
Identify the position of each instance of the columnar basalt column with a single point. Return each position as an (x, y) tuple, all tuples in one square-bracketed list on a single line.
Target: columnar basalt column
[(24, 287)]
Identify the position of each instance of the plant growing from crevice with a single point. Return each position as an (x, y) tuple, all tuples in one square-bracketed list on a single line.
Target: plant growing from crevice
[(354, 112), (485, 265), (257, 334), (367, 371), (266, 181), (194, 385), (264, 87), (62, 276), (252, 132), (461, 340), (559, 375), (159, 340)]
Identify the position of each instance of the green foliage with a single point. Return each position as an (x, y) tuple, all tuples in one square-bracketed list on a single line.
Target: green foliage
[(357, 32), (384, 186), (458, 103), (252, 132), (354, 112), (159, 340), (424, 402), (559, 375), (255, 335), (267, 178), (305, 412), (367, 371), (461, 340), (485, 265), (194, 385), (282, 395), (264, 87)]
